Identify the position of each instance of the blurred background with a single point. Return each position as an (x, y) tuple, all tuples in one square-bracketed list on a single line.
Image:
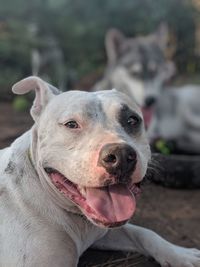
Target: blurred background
[(62, 41), (70, 36)]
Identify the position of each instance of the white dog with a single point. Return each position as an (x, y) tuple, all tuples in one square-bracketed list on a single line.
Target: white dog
[(69, 181)]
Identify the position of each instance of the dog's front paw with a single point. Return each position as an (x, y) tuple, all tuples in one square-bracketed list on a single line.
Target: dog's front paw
[(180, 257)]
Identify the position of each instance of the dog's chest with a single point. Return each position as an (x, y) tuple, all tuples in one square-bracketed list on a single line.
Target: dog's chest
[(83, 232)]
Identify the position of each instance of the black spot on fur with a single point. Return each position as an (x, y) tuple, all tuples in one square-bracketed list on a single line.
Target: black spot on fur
[(93, 110), (18, 180), (19, 176), (10, 167)]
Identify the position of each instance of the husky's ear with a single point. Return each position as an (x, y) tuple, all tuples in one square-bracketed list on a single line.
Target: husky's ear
[(166, 40), (113, 41), (162, 36), (44, 92)]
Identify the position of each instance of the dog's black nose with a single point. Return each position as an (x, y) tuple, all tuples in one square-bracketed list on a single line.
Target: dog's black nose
[(149, 101), (118, 159)]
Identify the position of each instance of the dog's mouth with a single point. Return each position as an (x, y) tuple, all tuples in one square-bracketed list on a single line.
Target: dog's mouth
[(107, 206)]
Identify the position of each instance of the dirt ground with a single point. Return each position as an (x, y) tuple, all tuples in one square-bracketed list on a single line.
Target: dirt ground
[(174, 214)]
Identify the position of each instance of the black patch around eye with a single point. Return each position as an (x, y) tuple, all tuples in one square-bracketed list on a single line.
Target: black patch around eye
[(129, 120)]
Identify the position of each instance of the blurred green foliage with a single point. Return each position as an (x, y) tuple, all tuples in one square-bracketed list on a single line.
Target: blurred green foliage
[(20, 103), (80, 27)]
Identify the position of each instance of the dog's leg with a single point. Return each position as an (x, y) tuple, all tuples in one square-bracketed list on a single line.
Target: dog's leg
[(137, 239)]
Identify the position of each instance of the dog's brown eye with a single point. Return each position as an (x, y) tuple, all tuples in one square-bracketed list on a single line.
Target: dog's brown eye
[(133, 120), (72, 125)]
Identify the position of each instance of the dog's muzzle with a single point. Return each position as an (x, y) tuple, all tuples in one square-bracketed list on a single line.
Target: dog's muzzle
[(112, 204)]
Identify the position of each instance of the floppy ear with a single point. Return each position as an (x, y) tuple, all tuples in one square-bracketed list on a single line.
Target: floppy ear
[(113, 41), (44, 92)]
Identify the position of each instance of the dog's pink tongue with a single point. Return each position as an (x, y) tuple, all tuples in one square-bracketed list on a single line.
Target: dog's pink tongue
[(113, 203), (147, 114)]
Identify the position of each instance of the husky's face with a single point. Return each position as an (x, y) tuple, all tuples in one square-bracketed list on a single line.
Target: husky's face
[(139, 65)]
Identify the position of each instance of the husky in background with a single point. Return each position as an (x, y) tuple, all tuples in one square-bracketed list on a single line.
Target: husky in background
[(137, 66)]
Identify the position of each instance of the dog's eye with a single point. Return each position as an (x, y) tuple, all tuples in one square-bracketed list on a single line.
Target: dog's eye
[(72, 125), (133, 120)]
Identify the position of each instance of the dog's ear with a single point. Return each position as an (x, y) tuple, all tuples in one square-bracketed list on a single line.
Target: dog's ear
[(162, 36), (44, 92), (113, 41)]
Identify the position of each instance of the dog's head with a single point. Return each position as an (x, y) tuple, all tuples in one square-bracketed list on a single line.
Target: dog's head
[(90, 150), (139, 66)]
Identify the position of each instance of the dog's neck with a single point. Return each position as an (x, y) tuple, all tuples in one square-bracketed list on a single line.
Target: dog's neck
[(33, 196)]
